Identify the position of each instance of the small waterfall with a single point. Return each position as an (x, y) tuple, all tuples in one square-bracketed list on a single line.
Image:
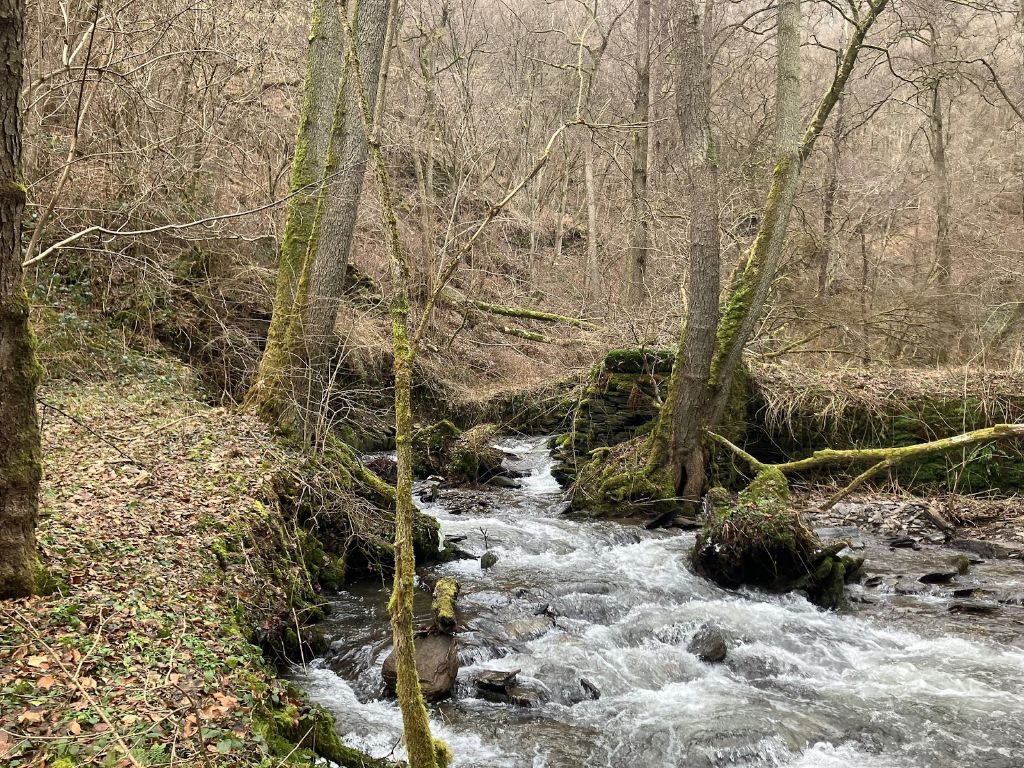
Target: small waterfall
[(891, 685)]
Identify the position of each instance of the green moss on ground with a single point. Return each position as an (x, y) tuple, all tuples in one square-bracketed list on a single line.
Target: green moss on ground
[(174, 564)]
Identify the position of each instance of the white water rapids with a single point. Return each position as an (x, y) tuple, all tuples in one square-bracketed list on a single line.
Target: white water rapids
[(617, 605)]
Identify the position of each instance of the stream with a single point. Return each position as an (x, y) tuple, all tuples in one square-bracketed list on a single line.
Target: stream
[(898, 681)]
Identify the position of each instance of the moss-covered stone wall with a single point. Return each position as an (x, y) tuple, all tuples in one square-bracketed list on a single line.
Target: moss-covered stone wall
[(904, 416), (621, 398)]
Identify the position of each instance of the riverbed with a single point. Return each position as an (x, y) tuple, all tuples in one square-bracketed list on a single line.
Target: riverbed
[(910, 676)]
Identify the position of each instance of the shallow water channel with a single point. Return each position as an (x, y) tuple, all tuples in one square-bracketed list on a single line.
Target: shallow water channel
[(899, 681)]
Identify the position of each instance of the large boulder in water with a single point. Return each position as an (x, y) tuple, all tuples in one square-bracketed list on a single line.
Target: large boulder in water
[(761, 541), (460, 457), (437, 662)]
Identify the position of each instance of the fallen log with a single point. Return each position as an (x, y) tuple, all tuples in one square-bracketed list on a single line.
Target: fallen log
[(443, 605), (883, 458)]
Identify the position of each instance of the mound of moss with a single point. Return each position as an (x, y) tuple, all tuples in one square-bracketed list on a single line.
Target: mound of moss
[(761, 541)]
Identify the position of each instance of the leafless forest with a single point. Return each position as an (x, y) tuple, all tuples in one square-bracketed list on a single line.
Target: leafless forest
[(521, 355), (903, 247)]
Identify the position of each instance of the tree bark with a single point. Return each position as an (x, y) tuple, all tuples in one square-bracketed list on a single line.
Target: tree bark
[(20, 462), (592, 277), (675, 442), (271, 393), (639, 236), (329, 250), (830, 246)]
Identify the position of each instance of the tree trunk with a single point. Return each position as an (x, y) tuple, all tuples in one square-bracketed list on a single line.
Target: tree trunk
[(675, 443), (20, 463), (943, 259), (697, 400), (830, 246), (423, 751), (271, 392), (592, 277), (636, 264), (329, 251)]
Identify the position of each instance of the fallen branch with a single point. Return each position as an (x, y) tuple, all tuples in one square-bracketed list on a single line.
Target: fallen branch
[(443, 605), (524, 334), (73, 679), (521, 312), (883, 458)]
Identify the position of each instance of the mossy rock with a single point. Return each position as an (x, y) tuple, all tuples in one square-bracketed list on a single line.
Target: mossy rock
[(473, 458), (458, 456), (432, 445), (639, 360), (300, 734)]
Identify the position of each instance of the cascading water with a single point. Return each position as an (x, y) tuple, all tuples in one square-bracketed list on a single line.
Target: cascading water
[(901, 684)]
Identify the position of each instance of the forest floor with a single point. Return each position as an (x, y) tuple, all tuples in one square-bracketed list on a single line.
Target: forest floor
[(140, 656)]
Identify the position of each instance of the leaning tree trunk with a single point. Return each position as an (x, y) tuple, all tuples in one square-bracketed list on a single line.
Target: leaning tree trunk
[(639, 236), (20, 465), (271, 393), (675, 442)]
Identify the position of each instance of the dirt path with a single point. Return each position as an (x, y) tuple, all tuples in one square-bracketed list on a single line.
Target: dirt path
[(152, 502)]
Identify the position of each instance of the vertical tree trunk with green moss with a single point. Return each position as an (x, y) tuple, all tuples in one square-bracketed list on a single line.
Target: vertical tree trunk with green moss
[(423, 751), (20, 463), (271, 393)]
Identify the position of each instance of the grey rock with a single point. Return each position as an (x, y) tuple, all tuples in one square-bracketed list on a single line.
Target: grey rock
[(489, 560), (973, 607), (708, 644), (437, 663)]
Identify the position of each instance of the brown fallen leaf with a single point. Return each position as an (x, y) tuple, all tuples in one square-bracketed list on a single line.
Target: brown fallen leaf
[(74, 729), (45, 682)]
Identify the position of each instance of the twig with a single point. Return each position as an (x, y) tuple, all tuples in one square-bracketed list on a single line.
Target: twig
[(92, 432), (81, 689)]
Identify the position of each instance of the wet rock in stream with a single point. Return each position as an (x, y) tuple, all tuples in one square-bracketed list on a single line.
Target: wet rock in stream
[(708, 644), (437, 662), (503, 687), (489, 560)]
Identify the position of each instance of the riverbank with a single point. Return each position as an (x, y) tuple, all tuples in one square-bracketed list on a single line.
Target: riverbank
[(571, 598), (170, 564)]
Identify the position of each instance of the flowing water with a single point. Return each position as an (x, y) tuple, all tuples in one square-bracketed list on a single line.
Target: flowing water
[(899, 683)]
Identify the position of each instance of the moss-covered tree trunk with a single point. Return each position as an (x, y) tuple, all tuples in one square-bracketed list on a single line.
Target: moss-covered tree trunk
[(19, 373), (422, 750), (272, 391)]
